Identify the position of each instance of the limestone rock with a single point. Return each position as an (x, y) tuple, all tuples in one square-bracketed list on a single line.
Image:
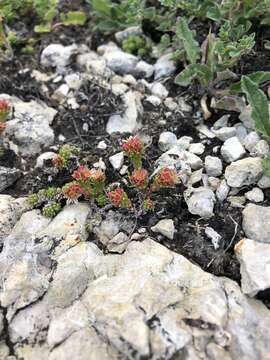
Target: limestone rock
[(200, 201), (244, 172), (254, 258), (256, 222)]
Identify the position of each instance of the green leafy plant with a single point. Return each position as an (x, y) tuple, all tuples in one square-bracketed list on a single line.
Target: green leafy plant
[(259, 106), (112, 16), (90, 184), (137, 45)]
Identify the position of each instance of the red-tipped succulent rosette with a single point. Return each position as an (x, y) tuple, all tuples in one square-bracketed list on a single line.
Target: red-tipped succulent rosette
[(119, 198), (165, 178), (133, 149)]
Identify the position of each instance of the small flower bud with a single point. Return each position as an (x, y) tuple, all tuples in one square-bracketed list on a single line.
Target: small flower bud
[(4, 110), (165, 178), (119, 199), (139, 178), (133, 148), (72, 191)]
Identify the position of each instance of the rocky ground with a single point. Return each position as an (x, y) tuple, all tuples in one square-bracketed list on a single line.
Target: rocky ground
[(191, 280)]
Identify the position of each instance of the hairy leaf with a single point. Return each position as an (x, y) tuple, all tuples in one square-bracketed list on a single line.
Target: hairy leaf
[(259, 78), (190, 44), (259, 105), (199, 71)]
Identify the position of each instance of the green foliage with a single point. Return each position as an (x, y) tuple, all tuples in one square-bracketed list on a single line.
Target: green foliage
[(112, 16), (51, 210), (266, 166), (259, 106), (46, 199), (73, 18), (191, 46), (137, 45), (259, 78)]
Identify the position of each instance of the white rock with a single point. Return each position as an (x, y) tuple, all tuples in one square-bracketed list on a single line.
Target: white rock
[(61, 93), (200, 201), (93, 310), (213, 236), (221, 123), (8, 176), (49, 155), (29, 131), (102, 145), (117, 160), (183, 105), (246, 118), (232, 150), (119, 89), (120, 62), (244, 172), (164, 66), (213, 166), (241, 132), (128, 122), (10, 211), (118, 243), (205, 132), (153, 100), (254, 258), (184, 142), (166, 140), (100, 164), (165, 227), (129, 80), (159, 90), (237, 201), (74, 81), (197, 148), (256, 222), (170, 104), (251, 140), (222, 191), (224, 133), (264, 182), (261, 149), (57, 55), (255, 195), (143, 69), (213, 183)]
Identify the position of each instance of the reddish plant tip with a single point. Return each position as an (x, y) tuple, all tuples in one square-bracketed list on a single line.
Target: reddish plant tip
[(133, 146), (82, 173), (4, 110), (119, 198), (58, 161), (166, 177), (139, 178), (97, 175), (72, 191), (2, 127)]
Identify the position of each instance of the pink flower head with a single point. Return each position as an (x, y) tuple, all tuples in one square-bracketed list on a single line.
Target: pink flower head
[(72, 191), (119, 198), (82, 173), (139, 178), (133, 146), (166, 177)]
